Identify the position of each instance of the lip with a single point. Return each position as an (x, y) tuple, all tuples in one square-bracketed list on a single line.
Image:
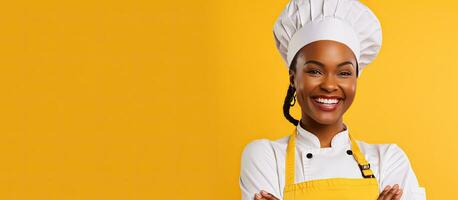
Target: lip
[(327, 97), (327, 107)]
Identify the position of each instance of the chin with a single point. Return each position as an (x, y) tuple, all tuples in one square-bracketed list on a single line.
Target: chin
[(326, 118)]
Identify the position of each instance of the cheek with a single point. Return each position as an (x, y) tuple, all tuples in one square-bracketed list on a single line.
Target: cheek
[(350, 91), (303, 89)]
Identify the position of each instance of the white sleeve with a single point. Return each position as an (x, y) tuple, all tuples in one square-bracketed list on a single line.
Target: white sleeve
[(395, 168), (258, 170)]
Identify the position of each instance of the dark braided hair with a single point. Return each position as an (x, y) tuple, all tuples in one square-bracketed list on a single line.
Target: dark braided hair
[(291, 98)]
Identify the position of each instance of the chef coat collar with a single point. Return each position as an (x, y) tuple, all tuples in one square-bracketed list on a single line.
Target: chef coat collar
[(310, 140)]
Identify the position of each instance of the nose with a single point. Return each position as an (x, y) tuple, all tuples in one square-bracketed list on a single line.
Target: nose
[(329, 84)]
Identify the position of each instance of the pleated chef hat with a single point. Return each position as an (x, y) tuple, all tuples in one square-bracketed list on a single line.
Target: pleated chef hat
[(346, 21)]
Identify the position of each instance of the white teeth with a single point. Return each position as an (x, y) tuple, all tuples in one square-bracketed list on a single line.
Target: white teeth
[(327, 101)]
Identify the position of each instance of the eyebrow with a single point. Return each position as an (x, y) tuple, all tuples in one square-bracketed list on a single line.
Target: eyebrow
[(322, 65)]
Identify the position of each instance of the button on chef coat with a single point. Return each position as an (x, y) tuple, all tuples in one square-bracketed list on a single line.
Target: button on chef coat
[(263, 164)]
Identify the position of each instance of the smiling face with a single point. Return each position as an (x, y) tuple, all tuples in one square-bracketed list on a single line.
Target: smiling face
[(325, 81)]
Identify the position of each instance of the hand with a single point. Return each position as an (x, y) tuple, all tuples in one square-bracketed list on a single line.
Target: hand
[(264, 196), (391, 193)]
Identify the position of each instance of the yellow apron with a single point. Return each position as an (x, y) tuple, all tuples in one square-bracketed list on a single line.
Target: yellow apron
[(365, 188)]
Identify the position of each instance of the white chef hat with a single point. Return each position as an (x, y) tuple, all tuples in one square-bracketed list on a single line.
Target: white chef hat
[(346, 21)]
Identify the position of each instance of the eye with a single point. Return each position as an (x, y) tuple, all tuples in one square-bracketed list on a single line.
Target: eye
[(345, 73), (314, 71)]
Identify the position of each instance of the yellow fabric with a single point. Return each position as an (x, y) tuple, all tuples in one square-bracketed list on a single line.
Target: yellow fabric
[(333, 188)]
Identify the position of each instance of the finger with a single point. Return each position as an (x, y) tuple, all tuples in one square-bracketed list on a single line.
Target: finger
[(398, 195), (257, 196), (383, 193), (392, 192), (268, 195)]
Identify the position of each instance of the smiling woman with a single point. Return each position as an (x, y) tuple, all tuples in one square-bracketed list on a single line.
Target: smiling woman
[(324, 78), (325, 44)]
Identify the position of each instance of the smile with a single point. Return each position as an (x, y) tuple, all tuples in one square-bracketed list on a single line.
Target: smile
[(327, 101), (326, 104)]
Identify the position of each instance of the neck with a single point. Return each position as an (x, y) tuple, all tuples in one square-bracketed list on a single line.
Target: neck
[(324, 132)]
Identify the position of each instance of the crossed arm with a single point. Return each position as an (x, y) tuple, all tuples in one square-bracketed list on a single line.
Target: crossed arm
[(259, 173), (389, 193)]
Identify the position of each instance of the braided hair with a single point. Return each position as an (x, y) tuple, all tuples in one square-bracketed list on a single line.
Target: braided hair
[(290, 96)]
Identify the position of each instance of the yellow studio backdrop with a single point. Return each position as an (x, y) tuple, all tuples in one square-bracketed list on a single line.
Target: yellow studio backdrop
[(157, 99)]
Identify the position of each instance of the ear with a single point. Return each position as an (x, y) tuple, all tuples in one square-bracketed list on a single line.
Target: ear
[(357, 70), (292, 76)]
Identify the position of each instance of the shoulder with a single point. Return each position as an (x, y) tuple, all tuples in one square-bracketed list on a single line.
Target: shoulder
[(263, 146), (386, 158), (389, 151), (257, 153), (262, 150), (258, 147)]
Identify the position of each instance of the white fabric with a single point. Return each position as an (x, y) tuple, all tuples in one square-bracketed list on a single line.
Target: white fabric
[(263, 164), (346, 21), (330, 29)]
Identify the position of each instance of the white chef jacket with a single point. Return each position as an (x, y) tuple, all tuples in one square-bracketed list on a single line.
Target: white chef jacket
[(263, 164)]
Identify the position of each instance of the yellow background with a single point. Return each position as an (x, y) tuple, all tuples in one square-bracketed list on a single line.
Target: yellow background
[(157, 99)]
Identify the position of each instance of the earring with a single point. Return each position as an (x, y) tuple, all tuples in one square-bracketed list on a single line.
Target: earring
[(294, 100)]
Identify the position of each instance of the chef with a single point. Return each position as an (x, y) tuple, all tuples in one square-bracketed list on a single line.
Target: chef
[(325, 44)]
